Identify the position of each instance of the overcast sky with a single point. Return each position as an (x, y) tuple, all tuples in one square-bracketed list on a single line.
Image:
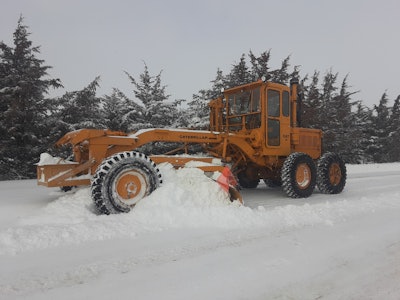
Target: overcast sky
[(189, 40)]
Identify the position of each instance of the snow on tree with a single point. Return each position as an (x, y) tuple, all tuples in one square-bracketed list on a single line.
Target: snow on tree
[(199, 111), (119, 112), (156, 110), (23, 105), (81, 109)]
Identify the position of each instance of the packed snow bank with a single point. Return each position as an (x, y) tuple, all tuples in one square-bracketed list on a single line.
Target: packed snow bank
[(187, 199), (54, 246), (372, 169)]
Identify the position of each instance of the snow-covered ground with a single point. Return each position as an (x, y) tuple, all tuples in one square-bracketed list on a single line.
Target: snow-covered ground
[(185, 241)]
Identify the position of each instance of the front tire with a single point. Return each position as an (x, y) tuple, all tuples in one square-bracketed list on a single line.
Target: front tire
[(332, 174), (298, 175), (122, 180)]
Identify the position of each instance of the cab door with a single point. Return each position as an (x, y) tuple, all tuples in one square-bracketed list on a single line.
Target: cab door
[(278, 121)]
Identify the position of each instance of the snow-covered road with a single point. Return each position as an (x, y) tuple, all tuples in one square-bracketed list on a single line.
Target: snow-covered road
[(181, 243)]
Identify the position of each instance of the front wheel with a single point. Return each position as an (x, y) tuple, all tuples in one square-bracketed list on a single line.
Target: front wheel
[(331, 174), (122, 180), (298, 175)]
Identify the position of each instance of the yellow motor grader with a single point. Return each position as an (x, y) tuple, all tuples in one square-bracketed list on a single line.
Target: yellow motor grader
[(254, 134)]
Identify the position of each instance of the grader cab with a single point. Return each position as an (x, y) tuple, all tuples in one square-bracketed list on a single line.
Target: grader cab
[(254, 134)]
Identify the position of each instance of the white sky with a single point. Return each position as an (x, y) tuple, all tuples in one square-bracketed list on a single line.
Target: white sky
[(189, 40)]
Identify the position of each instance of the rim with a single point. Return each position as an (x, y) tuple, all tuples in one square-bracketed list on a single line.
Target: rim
[(335, 174), (129, 187), (303, 176)]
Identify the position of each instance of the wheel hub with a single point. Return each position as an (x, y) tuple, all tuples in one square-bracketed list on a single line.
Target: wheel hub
[(335, 174), (303, 176), (131, 189), (130, 186)]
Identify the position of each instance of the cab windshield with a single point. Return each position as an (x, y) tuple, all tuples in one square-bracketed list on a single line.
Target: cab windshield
[(243, 110)]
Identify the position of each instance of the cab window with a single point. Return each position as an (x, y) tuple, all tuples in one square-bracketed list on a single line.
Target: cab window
[(273, 132), (273, 103), (285, 104), (244, 110)]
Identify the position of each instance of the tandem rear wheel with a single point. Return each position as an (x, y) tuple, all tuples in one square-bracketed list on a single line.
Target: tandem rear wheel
[(300, 174)]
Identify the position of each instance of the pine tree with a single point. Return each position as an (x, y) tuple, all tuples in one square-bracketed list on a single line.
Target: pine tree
[(327, 109), (199, 117), (330, 108), (378, 147), (119, 112), (259, 65), (312, 103), (394, 132), (157, 111), (362, 134), (23, 105), (342, 123), (181, 118), (198, 111), (281, 75), (239, 74), (81, 109)]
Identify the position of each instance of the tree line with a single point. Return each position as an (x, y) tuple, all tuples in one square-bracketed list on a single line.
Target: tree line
[(31, 121)]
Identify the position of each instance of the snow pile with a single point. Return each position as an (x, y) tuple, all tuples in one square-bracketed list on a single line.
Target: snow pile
[(47, 159), (187, 199), (373, 168)]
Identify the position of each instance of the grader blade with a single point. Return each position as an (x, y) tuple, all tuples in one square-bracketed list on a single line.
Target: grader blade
[(226, 180)]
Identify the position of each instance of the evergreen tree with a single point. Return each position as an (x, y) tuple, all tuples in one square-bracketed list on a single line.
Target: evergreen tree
[(259, 65), (157, 111), (119, 112), (362, 136), (23, 105), (341, 123), (199, 112), (330, 108), (281, 75), (394, 132), (239, 74), (81, 109), (181, 118), (327, 109), (378, 147), (312, 103)]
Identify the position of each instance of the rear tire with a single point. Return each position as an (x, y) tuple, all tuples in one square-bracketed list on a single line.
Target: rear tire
[(332, 174), (122, 180), (298, 175)]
